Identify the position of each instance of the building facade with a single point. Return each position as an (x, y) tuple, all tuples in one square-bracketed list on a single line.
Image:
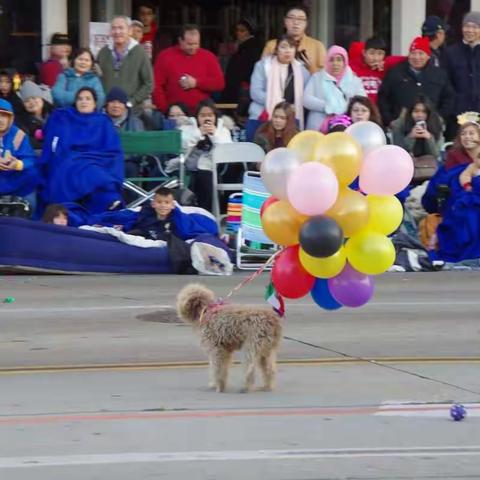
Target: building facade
[(27, 25)]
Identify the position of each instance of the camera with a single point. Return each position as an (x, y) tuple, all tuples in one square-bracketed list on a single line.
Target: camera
[(205, 144)]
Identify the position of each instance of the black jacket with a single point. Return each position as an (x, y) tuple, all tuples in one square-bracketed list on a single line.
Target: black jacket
[(240, 68), (16, 102), (149, 226), (400, 87), (463, 67), (30, 124)]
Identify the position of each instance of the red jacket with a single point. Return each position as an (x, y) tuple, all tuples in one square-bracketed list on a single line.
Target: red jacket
[(456, 157), (371, 79), (150, 36), (172, 63), (49, 71)]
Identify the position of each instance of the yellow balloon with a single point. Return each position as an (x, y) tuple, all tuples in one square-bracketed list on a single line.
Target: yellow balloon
[(342, 153), (370, 252), (304, 144), (386, 214), (281, 223), (350, 211), (327, 267)]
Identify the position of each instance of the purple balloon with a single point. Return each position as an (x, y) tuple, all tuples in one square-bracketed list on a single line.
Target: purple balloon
[(351, 288)]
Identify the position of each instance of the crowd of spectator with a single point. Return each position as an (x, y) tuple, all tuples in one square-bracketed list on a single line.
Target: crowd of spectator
[(59, 134)]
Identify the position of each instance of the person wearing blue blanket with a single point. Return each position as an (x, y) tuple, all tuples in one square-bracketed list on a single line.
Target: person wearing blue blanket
[(163, 221), (454, 192), (82, 157), (18, 167)]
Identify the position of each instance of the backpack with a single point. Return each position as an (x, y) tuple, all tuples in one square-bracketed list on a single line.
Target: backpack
[(13, 206)]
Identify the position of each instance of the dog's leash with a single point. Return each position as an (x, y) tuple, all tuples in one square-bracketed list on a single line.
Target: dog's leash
[(221, 302), (253, 276)]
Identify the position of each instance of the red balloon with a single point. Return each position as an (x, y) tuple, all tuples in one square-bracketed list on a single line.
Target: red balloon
[(290, 279), (266, 204)]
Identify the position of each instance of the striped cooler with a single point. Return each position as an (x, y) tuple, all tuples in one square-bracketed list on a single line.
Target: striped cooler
[(254, 194)]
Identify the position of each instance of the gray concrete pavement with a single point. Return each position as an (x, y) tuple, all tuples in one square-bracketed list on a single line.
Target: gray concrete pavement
[(110, 424), (325, 421), (76, 320)]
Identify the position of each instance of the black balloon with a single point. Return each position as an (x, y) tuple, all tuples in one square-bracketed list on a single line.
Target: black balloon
[(321, 236)]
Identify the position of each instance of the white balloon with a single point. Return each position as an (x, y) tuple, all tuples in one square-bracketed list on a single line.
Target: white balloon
[(368, 134), (276, 169)]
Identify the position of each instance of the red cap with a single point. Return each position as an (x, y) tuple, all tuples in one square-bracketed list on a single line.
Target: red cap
[(421, 43)]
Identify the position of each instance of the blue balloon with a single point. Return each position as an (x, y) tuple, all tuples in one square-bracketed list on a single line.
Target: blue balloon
[(322, 296)]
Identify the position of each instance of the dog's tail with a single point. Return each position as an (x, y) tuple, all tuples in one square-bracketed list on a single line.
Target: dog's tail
[(192, 300)]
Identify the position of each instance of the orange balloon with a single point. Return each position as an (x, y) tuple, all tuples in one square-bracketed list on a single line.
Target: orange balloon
[(342, 153), (281, 223), (350, 211)]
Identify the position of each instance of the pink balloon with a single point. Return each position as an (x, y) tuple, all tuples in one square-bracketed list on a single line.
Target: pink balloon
[(312, 188), (386, 171)]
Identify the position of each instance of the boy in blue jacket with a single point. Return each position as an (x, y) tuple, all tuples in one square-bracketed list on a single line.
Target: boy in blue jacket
[(18, 171)]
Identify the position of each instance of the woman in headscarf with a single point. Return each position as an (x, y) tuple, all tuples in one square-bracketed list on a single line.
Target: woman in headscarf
[(82, 157), (328, 91)]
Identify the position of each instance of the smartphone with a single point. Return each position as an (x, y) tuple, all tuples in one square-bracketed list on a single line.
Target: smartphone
[(421, 124)]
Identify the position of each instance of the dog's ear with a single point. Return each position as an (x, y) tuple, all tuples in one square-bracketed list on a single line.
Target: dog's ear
[(192, 300)]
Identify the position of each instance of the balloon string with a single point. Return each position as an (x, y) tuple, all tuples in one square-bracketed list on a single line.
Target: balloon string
[(384, 365), (254, 275)]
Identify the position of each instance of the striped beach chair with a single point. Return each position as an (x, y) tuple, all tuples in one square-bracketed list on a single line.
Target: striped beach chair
[(253, 246)]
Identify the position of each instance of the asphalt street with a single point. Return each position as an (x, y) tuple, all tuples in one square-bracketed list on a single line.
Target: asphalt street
[(98, 379)]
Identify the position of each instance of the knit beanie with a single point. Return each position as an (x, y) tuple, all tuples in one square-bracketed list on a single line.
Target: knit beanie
[(116, 93), (472, 17), (421, 43), (29, 90)]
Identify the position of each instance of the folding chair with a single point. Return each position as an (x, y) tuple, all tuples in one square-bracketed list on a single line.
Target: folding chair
[(153, 143), (228, 153), (250, 231)]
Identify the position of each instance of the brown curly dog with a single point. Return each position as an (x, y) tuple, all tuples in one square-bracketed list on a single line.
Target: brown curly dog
[(225, 328)]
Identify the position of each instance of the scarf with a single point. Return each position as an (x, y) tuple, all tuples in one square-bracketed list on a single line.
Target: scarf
[(332, 51), (277, 82)]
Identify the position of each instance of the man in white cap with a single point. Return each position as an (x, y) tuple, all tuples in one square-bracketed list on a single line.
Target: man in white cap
[(463, 66)]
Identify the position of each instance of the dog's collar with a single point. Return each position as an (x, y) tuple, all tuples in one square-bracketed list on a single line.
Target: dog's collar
[(209, 309)]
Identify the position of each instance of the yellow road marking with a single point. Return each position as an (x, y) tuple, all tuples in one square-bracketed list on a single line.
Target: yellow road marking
[(31, 369)]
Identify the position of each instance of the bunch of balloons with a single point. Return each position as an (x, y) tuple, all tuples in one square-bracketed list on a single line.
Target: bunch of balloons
[(332, 207)]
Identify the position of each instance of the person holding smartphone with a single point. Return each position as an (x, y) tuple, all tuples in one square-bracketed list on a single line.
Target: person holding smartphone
[(208, 132), (419, 130)]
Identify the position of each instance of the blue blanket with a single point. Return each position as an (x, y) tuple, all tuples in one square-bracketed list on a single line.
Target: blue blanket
[(188, 222), (83, 159), (459, 232)]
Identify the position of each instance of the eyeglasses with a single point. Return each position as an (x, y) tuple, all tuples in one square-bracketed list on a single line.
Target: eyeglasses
[(296, 19)]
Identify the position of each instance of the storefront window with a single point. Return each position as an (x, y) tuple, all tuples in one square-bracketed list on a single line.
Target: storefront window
[(347, 22), (216, 18), (452, 11), (20, 45)]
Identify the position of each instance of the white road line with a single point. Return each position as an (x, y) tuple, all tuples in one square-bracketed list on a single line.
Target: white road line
[(239, 455), (425, 410), (106, 308), (4, 310)]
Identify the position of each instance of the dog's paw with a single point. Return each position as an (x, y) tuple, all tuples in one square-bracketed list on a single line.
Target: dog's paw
[(266, 388), (220, 389)]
